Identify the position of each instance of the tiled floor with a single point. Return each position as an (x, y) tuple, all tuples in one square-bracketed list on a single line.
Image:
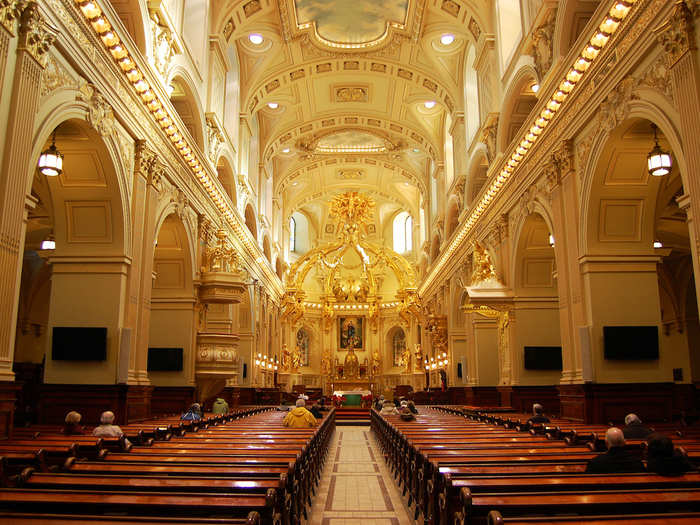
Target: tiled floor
[(356, 486)]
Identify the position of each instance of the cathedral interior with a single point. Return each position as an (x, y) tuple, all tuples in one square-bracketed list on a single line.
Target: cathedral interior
[(460, 201)]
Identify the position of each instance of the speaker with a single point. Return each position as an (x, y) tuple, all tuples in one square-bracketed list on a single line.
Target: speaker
[(584, 334), (459, 370), (123, 357), (245, 370)]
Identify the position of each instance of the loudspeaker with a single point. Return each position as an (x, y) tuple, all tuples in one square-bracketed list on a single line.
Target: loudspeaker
[(123, 357), (245, 370), (584, 334), (459, 370)]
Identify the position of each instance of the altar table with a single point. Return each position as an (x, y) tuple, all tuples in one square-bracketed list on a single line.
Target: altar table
[(353, 398)]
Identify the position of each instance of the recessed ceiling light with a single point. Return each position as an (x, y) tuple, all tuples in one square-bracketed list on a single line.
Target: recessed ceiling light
[(294, 183), (535, 87), (273, 105), (416, 150), (447, 39), (255, 38), (658, 244), (430, 104), (406, 184), (285, 150)]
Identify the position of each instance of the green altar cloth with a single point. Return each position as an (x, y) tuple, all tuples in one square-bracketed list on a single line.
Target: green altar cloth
[(352, 400)]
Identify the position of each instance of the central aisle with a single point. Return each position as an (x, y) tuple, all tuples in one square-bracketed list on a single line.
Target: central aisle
[(356, 486)]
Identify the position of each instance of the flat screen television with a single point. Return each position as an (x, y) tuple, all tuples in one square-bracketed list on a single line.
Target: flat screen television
[(631, 343), (79, 343), (543, 358), (165, 359)]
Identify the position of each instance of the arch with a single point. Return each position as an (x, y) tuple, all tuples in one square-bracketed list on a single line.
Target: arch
[(572, 17), (134, 16), (166, 209), (534, 261), (472, 115), (509, 20), (402, 232), (250, 221), (395, 344), (279, 267), (435, 248), (227, 178), (477, 176), (172, 254), (267, 250), (452, 216), (303, 339), (187, 104), (517, 105)]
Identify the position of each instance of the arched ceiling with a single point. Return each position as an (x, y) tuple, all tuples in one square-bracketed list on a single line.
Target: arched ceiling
[(339, 91)]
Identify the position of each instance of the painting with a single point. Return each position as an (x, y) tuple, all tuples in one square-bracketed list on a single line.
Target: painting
[(350, 330), (353, 22)]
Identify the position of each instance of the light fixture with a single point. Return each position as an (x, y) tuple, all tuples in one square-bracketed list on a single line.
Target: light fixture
[(169, 90), (51, 160), (49, 243), (429, 104), (658, 161), (256, 38), (551, 240), (286, 150), (273, 105), (658, 244), (416, 150), (535, 87), (447, 39)]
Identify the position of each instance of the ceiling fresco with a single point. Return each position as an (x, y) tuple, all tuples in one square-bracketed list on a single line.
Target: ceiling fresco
[(351, 21)]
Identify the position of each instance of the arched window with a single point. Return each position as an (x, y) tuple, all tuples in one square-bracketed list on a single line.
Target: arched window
[(403, 232), (303, 346), (292, 234), (398, 344)]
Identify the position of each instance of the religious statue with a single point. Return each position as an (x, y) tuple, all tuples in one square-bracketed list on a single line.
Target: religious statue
[(406, 359), (296, 359), (286, 358), (376, 364), (418, 357), (351, 366), (484, 270), (326, 364)]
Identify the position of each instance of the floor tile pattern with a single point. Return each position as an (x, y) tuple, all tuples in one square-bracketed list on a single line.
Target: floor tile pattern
[(356, 487)]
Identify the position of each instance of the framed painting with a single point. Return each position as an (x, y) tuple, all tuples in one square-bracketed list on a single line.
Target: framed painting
[(350, 330)]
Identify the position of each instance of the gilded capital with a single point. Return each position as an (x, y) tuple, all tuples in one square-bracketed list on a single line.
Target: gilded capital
[(677, 36), (34, 36), (10, 11)]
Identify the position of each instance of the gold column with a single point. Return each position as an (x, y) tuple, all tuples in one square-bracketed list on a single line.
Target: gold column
[(678, 39), (34, 42)]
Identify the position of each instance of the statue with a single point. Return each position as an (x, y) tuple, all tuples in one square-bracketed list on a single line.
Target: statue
[(484, 271), (296, 359), (376, 364), (326, 364), (418, 357), (286, 358), (351, 366), (406, 359)]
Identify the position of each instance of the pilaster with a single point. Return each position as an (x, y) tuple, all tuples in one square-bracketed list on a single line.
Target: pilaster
[(34, 42), (10, 12)]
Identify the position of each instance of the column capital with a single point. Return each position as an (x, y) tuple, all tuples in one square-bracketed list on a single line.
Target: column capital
[(34, 35), (10, 11), (677, 35)]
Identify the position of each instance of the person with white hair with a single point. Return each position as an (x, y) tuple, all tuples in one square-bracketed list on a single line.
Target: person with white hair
[(73, 426), (538, 415), (634, 429), (106, 427), (389, 409), (299, 417), (617, 459)]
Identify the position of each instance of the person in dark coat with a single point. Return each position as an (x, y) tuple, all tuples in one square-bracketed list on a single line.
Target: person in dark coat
[(663, 459), (617, 459), (634, 429), (73, 426), (538, 415), (316, 411), (412, 407)]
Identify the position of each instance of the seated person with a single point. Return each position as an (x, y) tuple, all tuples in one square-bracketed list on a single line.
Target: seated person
[(389, 409), (405, 413), (379, 403), (316, 411), (538, 415), (617, 459), (106, 428), (73, 426), (220, 406), (299, 417), (663, 459), (194, 413), (412, 407), (634, 429)]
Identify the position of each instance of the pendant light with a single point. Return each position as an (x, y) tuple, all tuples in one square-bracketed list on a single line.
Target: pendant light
[(51, 160), (49, 243), (658, 160)]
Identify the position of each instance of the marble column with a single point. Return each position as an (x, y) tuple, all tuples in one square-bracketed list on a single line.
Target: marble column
[(34, 42)]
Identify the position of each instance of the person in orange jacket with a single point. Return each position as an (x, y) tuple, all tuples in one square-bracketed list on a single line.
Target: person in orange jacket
[(299, 417)]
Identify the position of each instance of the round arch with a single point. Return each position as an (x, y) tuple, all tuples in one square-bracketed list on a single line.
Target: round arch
[(250, 221), (187, 104), (518, 102)]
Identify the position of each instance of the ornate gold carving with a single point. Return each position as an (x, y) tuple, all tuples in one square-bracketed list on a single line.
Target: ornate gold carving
[(33, 34), (488, 135), (215, 137), (351, 93), (10, 11), (483, 269), (678, 35), (164, 46), (351, 174), (658, 77), (541, 45), (616, 107), (437, 327), (100, 114), (54, 77), (221, 257), (474, 28)]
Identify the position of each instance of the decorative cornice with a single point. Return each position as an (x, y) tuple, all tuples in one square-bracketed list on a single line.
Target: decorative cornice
[(34, 36), (677, 36), (10, 11)]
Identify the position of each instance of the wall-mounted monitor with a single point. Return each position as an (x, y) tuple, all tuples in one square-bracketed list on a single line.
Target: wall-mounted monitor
[(542, 358), (165, 359), (631, 343), (79, 343)]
